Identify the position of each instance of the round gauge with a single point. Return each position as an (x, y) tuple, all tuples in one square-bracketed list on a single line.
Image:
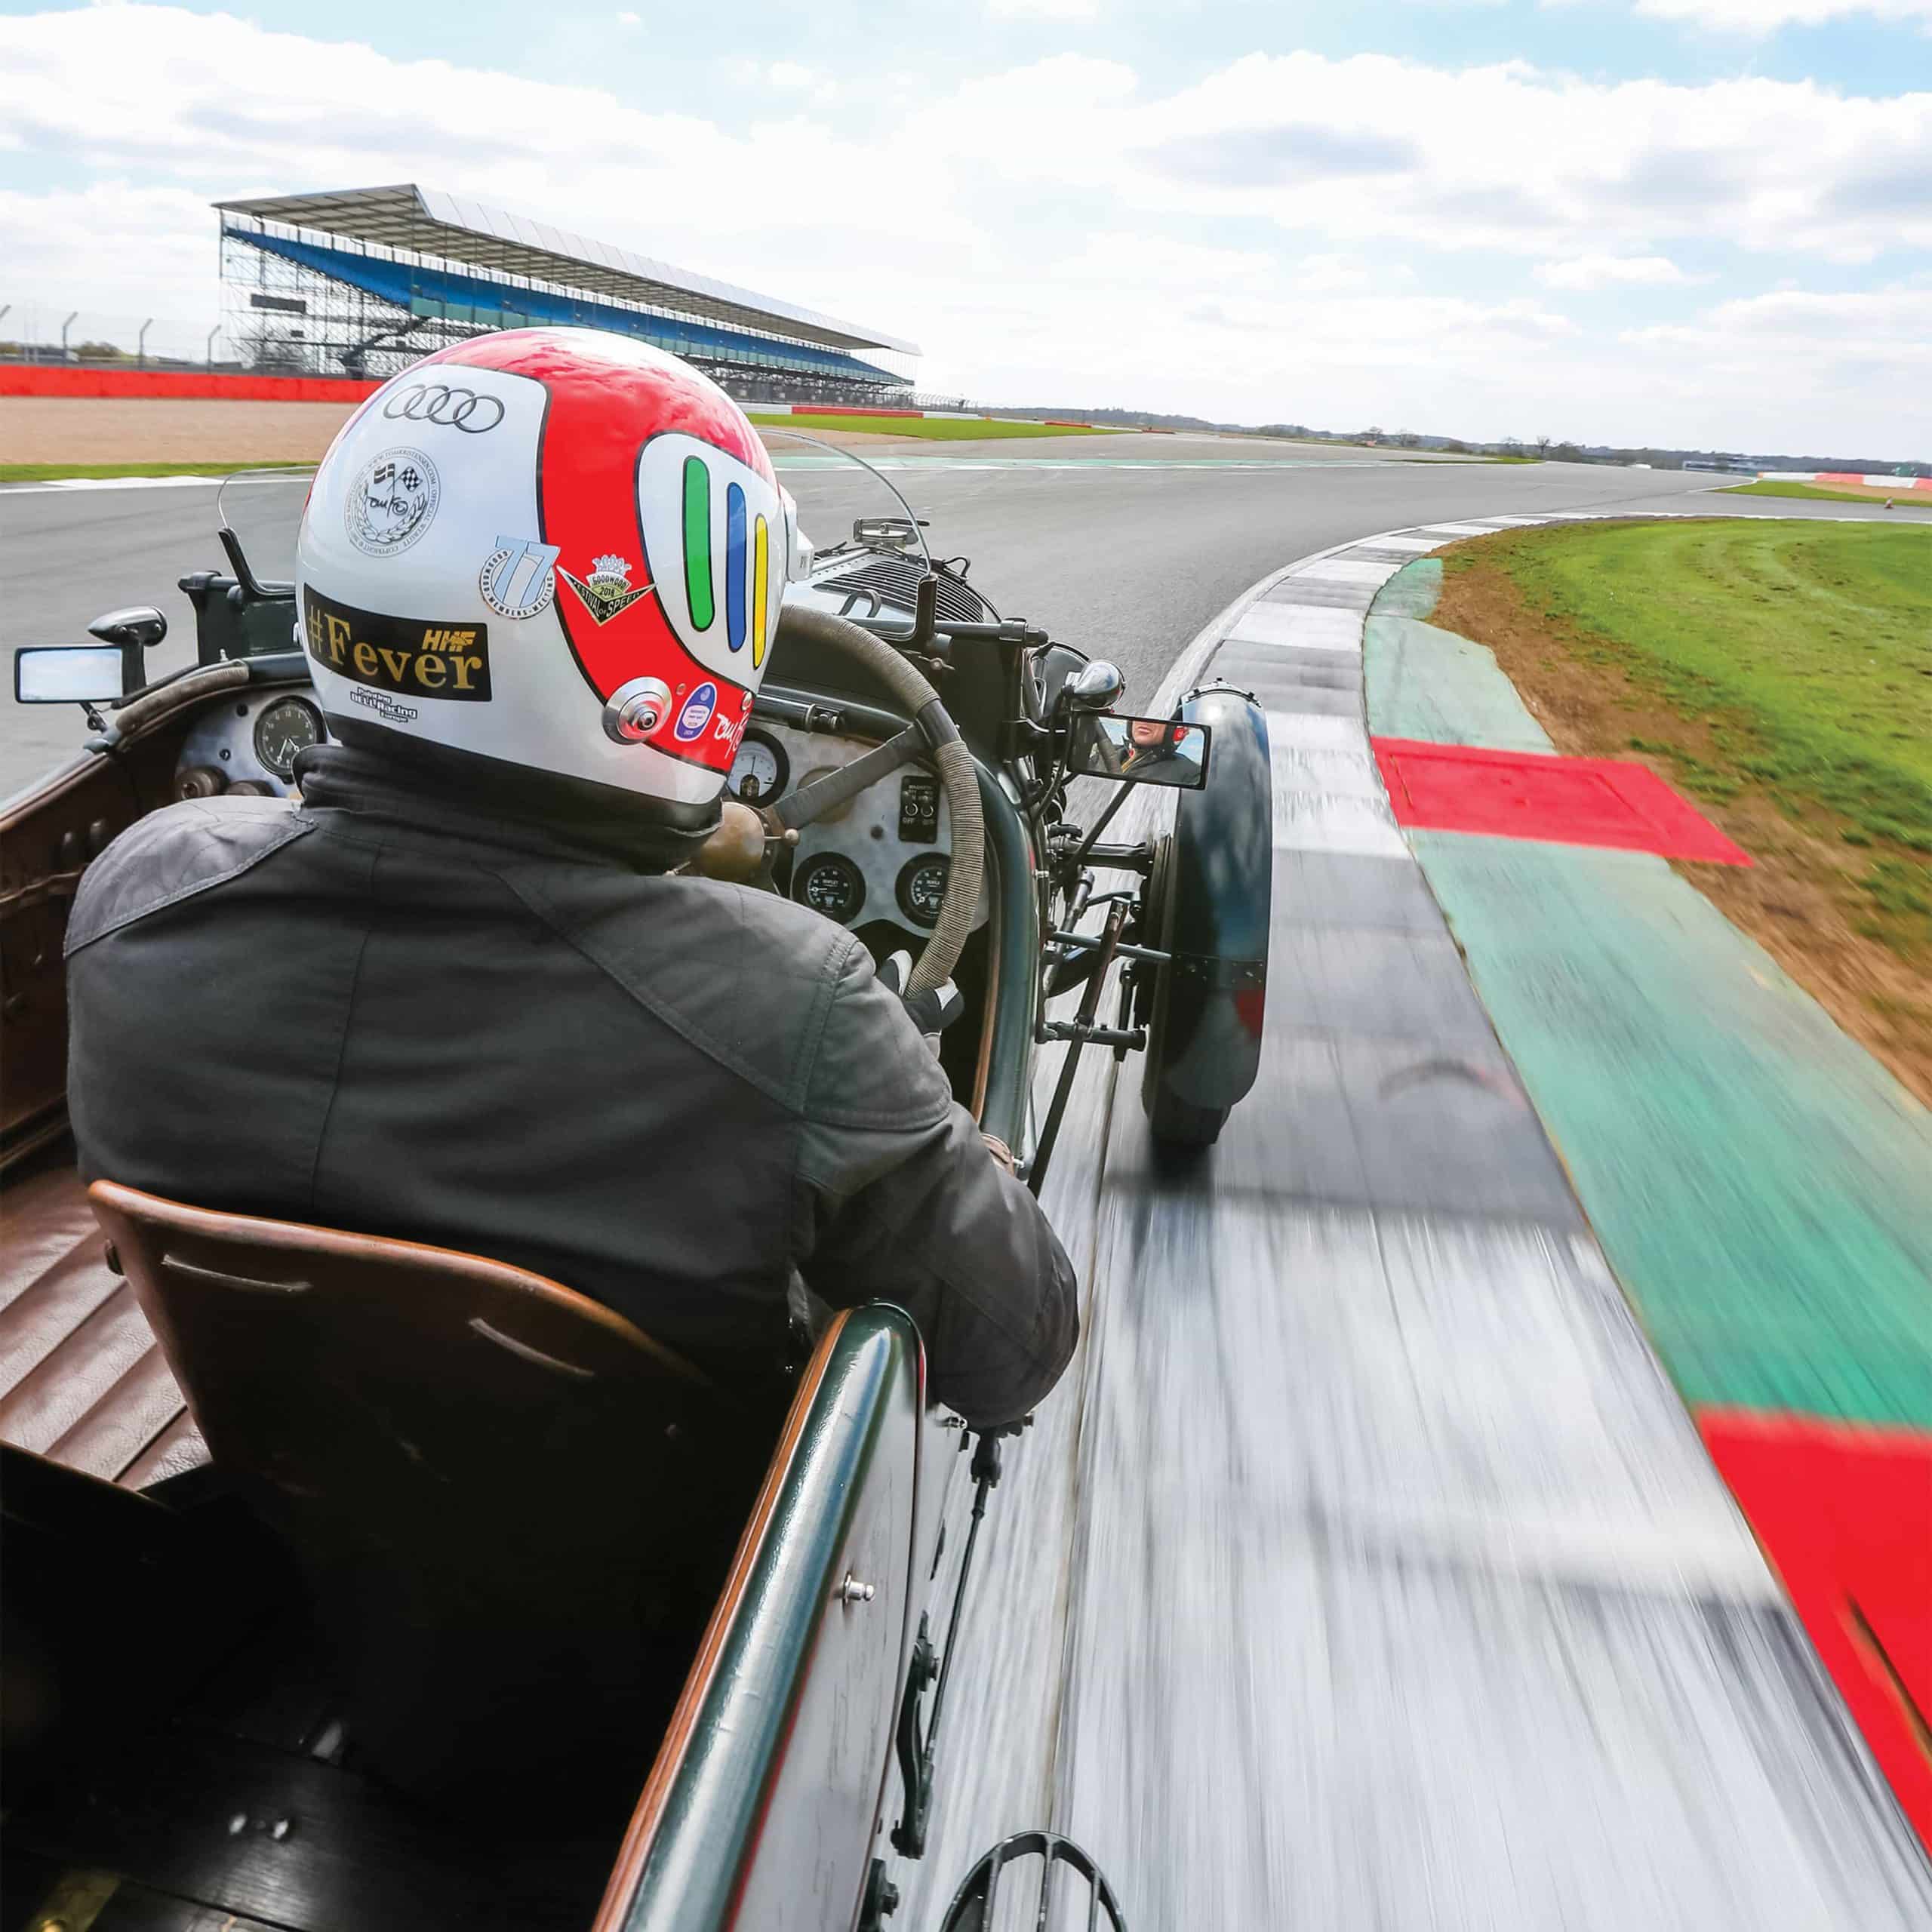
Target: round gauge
[(830, 884), (288, 726), (922, 888), (761, 771)]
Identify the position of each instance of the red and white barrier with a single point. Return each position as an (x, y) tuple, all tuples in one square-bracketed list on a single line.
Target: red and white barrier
[(71, 380), (1844, 480)]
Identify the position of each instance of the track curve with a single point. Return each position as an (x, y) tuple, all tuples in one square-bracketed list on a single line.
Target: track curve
[(1368, 1571), (1364, 1571)]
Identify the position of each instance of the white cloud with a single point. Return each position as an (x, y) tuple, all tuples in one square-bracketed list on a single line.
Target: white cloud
[(1328, 274), (1235, 247), (1761, 17), (1888, 323), (1044, 9), (1588, 272), (628, 20), (790, 74)]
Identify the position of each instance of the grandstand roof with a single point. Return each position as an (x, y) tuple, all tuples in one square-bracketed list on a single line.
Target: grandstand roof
[(431, 222)]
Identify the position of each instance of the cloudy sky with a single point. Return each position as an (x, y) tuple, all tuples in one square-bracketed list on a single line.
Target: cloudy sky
[(1698, 222)]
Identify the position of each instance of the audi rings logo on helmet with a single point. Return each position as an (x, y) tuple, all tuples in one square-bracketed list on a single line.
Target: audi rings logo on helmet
[(449, 409)]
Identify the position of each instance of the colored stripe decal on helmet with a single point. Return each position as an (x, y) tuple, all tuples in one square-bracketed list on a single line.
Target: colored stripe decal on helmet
[(697, 543), (761, 586), (734, 565)]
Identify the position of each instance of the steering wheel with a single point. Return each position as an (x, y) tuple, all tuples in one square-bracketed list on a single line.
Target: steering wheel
[(932, 735)]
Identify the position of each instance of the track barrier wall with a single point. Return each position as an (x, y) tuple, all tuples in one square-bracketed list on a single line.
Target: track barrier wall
[(1845, 480), (30, 379), (212, 385)]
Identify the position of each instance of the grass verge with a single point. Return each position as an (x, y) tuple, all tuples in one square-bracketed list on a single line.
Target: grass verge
[(934, 429), (56, 472), (1780, 673), (1906, 496)]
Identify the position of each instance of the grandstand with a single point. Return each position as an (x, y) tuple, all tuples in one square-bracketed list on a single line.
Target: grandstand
[(364, 281)]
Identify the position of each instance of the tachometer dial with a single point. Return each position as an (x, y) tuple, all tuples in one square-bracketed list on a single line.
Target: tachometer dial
[(829, 883), (761, 771), (285, 729), (921, 889)]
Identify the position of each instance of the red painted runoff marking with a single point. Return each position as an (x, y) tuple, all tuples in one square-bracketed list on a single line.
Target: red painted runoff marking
[(1845, 1513), (1563, 800)]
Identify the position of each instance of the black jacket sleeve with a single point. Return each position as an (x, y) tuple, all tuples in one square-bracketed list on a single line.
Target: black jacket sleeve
[(900, 1202)]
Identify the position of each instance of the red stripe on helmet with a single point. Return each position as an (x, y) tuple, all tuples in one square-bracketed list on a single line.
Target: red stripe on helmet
[(604, 400)]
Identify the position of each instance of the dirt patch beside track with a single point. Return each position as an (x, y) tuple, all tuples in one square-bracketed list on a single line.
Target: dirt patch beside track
[(1802, 898), (97, 430)]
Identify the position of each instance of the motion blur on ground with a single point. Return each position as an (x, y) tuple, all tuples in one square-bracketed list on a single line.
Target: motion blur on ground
[(1494, 1487)]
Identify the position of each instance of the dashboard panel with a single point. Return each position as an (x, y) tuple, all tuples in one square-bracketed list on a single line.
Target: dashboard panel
[(882, 855), (249, 744)]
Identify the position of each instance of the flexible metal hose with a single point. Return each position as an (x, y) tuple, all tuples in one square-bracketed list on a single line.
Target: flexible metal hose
[(956, 772)]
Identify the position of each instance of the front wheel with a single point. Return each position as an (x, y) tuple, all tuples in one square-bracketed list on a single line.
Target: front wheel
[(1207, 906), (1178, 1123)]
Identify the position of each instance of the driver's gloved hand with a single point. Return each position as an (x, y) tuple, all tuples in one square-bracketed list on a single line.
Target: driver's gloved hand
[(933, 1010)]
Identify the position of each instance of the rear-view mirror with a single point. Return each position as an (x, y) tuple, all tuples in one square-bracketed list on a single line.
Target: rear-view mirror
[(887, 533), (139, 627), (70, 674), (1139, 751)]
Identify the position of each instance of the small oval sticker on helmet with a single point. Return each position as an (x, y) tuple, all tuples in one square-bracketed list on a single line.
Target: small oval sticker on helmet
[(696, 714)]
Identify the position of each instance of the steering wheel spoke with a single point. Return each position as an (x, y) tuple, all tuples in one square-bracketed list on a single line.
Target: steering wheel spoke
[(935, 738), (810, 802)]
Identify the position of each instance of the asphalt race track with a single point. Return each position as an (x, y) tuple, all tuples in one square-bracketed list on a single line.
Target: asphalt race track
[(1127, 563), (1365, 1574)]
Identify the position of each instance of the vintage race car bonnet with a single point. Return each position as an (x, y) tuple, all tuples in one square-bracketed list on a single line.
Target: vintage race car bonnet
[(562, 550)]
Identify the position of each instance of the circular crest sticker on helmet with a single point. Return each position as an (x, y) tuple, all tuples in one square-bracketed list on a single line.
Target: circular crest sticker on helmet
[(518, 578), (391, 502)]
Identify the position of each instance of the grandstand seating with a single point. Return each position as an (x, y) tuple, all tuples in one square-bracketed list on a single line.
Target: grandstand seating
[(361, 281), (447, 295)]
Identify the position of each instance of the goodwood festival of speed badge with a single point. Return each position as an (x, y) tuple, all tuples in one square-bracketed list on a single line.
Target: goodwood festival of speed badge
[(606, 591)]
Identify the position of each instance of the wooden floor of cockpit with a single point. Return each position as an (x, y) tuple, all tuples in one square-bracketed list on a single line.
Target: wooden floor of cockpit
[(82, 1380)]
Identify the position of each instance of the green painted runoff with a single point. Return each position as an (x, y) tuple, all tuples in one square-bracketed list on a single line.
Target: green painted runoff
[(1762, 1186)]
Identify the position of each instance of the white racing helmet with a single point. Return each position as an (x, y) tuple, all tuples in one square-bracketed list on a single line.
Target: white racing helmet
[(557, 549)]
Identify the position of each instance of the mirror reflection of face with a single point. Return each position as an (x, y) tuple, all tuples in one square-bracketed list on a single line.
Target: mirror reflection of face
[(1155, 751)]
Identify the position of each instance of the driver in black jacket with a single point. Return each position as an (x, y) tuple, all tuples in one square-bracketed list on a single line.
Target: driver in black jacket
[(457, 991)]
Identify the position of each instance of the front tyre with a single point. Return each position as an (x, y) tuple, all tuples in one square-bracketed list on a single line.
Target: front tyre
[(1208, 904), (1177, 1123)]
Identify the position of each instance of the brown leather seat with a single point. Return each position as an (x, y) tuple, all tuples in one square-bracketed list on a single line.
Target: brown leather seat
[(512, 1507)]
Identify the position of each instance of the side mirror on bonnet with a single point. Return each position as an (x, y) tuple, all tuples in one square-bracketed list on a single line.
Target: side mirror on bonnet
[(87, 673), (71, 674), (139, 627)]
